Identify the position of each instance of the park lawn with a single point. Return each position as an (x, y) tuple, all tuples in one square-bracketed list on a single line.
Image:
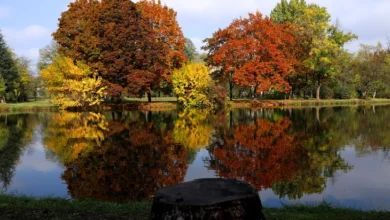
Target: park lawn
[(21, 207), (304, 103), (170, 103), (28, 106), (154, 99)]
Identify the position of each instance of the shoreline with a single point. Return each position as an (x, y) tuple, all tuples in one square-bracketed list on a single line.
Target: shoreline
[(164, 105), (22, 207)]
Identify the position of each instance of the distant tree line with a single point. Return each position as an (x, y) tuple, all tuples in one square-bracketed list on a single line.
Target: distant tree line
[(18, 83), (114, 49)]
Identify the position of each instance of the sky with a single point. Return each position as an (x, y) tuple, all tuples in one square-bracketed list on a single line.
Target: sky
[(27, 24)]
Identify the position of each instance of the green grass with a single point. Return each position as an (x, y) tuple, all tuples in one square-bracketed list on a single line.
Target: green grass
[(28, 106), (20, 207), (298, 103), (161, 99)]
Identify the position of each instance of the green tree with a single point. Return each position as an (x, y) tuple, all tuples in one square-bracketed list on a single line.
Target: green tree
[(372, 67), (190, 50), (47, 55), (8, 69), (3, 88), (24, 87), (289, 11), (321, 42)]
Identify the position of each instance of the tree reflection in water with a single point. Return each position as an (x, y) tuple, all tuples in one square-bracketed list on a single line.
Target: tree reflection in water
[(263, 150), (133, 160), (130, 155)]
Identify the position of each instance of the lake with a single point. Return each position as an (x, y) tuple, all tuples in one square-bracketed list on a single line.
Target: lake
[(340, 155)]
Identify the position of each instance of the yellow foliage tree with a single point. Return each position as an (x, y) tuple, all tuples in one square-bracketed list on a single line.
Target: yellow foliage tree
[(192, 84), (73, 85)]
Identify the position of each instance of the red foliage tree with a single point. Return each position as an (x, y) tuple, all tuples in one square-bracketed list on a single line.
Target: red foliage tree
[(162, 22), (254, 52), (132, 46)]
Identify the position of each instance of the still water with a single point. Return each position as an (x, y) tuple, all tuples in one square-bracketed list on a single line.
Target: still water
[(294, 155)]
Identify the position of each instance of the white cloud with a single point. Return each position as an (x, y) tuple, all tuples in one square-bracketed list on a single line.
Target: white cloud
[(5, 12), (25, 36)]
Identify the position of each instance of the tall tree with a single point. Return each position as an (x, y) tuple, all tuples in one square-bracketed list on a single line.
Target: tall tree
[(253, 52), (165, 44), (3, 88), (24, 86), (8, 69), (320, 41), (132, 46)]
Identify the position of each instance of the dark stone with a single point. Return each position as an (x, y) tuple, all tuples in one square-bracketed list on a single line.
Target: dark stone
[(208, 199)]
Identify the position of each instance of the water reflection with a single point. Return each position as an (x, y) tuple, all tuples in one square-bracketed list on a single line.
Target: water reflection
[(128, 156), (16, 133), (133, 160)]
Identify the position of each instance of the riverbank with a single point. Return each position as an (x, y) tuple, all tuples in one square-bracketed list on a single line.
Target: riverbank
[(32, 106), (303, 103), (12, 207), (163, 104)]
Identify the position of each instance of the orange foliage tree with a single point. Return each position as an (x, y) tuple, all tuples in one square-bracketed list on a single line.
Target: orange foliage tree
[(254, 52), (132, 46), (164, 27)]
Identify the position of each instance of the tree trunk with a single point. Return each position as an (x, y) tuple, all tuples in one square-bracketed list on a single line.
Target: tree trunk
[(149, 97), (374, 95), (207, 199), (318, 92), (291, 94), (231, 91)]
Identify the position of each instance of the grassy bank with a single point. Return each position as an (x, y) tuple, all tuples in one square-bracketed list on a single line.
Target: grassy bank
[(53, 208), (169, 103), (159, 104), (32, 106), (304, 103)]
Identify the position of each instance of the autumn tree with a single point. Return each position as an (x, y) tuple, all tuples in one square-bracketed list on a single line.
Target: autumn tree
[(321, 42), (253, 52), (132, 46), (195, 88), (73, 85)]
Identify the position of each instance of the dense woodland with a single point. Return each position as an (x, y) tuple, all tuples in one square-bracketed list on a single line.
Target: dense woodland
[(113, 49)]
